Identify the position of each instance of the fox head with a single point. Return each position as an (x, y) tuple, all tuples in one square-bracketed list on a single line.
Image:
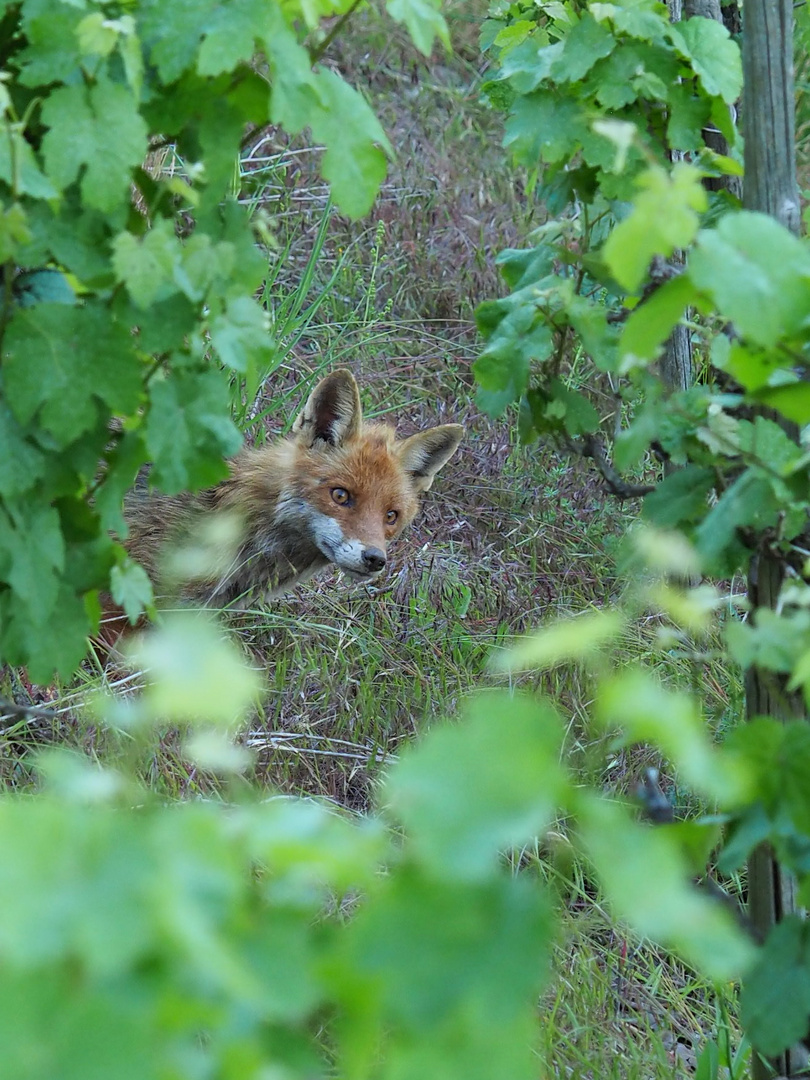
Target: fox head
[(354, 486)]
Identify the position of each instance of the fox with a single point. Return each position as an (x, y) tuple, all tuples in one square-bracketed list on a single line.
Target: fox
[(335, 492)]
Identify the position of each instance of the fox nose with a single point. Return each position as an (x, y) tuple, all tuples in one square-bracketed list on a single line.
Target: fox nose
[(373, 558)]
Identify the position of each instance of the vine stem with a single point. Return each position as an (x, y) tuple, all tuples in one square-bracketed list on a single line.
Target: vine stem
[(314, 56)]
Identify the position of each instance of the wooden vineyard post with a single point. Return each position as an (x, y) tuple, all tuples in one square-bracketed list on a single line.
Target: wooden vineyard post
[(770, 187)]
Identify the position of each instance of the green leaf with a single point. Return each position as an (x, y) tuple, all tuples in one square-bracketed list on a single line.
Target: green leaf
[(544, 125), (688, 116), (196, 675), (469, 790), (749, 501), (528, 65), (791, 400), (230, 36), (757, 273), (641, 19), (647, 881), (131, 588), (58, 364), (567, 639), (43, 286), (715, 57), (52, 54), (749, 828), (770, 444), (509, 36), (43, 642), (14, 233), (640, 706), (437, 962), (680, 497), (775, 999), (241, 335), (171, 33), (188, 430), (778, 754), (96, 35), (146, 264), (80, 122), (357, 148), (771, 641), (598, 336), (587, 42), (424, 21), (123, 463), (521, 267), (356, 145), (295, 95), (651, 323), (454, 987), (18, 166), (34, 549), (664, 217), (611, 80), (21, 462), (78, 239), (580, 416), (502, 370)]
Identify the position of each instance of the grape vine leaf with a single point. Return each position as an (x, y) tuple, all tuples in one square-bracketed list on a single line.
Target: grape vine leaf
[(587, 42), (21, 462), (424, 21), (357, 148), (58, 363), (757, 273), (230, 36), (664, 217), (501, 782), (80, 121), (130, 587), (715, 57), (145, 264), (775, 999), (188, 427)]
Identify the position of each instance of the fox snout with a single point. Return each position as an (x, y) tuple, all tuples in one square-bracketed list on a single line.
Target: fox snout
[(353, 556), (359, 561), (374, 559)]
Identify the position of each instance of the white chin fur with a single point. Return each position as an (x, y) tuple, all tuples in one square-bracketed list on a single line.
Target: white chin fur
[(356, 575)]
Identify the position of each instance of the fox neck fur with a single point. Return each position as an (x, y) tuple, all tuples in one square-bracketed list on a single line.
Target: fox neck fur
[(338, 490)]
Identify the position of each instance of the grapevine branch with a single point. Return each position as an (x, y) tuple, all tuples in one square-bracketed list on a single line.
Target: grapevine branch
[(10, 709), (591, 446), (660, 272)]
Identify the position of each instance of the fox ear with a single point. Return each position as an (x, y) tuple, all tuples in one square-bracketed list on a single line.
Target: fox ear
[(333, 412), (424, 454)]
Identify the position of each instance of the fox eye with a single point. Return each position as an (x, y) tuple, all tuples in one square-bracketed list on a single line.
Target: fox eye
[(391, 516), (341, 496)]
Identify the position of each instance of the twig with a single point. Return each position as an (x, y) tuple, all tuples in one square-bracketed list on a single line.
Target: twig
[(253, 136), (660, 273), (25, 712), (591, 447), (316, 54)]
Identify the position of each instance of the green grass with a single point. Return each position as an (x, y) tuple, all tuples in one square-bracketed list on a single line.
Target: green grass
[(510, 537)]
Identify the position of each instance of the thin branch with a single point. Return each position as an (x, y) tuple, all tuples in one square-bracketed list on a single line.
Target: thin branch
[(253, 136), (25, 712), (660, 273), (590, 446), (316, 54)]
